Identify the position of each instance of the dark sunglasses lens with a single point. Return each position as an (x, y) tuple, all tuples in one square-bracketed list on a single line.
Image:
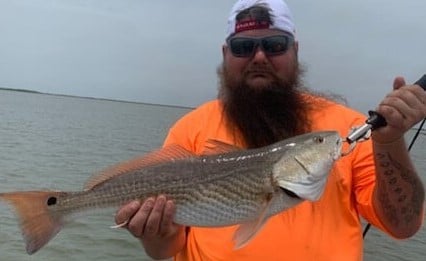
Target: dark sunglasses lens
[(242, 47), (275, 44)]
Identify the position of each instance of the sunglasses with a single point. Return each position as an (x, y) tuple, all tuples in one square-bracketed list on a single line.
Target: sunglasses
[(270, 45)]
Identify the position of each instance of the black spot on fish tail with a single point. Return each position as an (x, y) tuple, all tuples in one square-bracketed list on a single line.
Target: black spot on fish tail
[(52, 201)]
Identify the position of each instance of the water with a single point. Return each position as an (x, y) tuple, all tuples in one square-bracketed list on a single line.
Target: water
[(56, 142)]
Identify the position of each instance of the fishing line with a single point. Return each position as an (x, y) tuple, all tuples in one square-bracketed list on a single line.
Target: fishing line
[(413, 140)]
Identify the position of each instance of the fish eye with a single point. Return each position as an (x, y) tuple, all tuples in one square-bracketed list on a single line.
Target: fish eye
[(319, 139)]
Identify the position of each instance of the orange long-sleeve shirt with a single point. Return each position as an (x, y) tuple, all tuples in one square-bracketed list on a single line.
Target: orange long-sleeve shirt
[(328, 229)]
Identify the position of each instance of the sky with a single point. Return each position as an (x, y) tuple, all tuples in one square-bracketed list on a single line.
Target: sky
[(167, 52)]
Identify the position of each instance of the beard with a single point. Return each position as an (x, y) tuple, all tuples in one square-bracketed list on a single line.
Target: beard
[(266, 113)]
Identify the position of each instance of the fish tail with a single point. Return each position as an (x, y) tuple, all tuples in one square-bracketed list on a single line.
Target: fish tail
[(39, 221)]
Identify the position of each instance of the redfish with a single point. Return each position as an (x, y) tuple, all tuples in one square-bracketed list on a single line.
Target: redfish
[(226, 186)]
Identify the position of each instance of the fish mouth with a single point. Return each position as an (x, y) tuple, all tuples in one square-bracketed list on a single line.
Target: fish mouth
[(290, 193)]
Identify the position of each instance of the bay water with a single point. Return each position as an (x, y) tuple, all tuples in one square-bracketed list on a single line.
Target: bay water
[(57, 142)]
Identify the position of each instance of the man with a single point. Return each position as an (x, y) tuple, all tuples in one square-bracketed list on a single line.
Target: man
[(260, 102)]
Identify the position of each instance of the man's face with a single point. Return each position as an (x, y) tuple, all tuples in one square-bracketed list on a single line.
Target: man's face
[(260, 70), (259, 91)]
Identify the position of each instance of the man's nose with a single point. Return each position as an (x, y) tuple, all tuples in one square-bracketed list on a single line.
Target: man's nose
[(259, 54)]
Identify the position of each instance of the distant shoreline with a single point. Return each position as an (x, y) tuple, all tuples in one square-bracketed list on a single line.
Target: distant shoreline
[(92, 98), (18, 90)]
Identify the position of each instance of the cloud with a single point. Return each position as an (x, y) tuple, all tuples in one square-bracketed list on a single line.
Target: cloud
[(167, 51)]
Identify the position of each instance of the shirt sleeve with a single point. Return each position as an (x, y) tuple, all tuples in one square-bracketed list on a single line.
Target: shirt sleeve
[(196, 127), (364, 180), (181, 133)]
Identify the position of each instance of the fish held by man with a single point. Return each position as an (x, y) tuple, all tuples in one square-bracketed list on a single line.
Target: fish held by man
[(226, 186)]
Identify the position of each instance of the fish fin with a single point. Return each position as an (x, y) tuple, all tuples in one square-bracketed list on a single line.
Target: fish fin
[(37, 222), (213, 147), (168, 153), (247, 231)]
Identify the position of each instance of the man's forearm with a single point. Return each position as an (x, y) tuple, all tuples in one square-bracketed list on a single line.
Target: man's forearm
[(399, 192)]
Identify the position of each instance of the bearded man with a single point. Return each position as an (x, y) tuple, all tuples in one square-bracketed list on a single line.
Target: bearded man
[(261, 100)]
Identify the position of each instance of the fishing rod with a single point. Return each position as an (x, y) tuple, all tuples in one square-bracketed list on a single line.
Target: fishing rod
[(375, 121)]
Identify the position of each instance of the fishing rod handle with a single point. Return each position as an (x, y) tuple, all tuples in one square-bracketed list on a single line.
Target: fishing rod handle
[(376, 120), (422, 82)]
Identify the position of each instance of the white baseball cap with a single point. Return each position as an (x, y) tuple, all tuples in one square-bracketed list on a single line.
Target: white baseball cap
[(279, 12)]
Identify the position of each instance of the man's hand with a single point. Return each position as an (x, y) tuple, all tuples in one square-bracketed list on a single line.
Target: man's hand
[(152, 223), (402, 108)]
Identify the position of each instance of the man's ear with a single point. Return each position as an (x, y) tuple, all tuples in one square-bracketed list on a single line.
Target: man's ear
[(224, 50), (296, 46)]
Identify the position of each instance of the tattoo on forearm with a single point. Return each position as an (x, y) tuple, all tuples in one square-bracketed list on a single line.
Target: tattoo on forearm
[(400, 205)]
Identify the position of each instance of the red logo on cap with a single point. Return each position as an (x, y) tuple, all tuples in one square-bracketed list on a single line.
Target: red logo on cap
[(250, 25)]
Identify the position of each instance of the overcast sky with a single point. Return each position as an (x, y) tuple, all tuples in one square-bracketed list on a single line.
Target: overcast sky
[(167, 52)]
